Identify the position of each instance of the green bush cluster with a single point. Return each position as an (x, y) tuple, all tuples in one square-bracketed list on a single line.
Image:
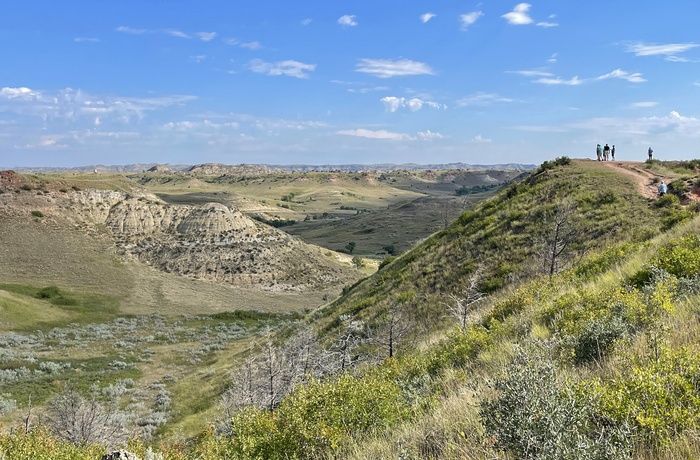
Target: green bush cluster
[(318, 418), (659, 397), (538, 415), (39, 444)]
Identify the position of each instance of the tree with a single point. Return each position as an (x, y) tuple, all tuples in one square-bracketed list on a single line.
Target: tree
[(394, 329), (85, 420), (358, 262), (461, 306), (560, 234), (350, 247)]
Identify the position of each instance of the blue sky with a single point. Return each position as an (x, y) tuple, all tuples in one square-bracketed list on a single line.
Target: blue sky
[(333, 82)]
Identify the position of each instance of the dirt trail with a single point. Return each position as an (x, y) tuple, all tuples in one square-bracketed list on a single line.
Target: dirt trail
[(647, 181), (643, 178)]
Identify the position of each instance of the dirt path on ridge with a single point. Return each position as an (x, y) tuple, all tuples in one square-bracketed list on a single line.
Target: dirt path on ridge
[(643, 178)]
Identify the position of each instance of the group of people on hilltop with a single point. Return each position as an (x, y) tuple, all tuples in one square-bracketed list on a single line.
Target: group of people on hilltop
[(605, 153)]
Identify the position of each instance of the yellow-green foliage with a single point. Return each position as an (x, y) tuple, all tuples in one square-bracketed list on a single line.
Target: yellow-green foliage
[(681, 257), (660, 397), (39, 444), (319, 417)]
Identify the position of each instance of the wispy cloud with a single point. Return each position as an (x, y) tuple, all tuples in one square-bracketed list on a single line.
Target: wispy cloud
[(386, 68), (306, 22), (531, 73), (130, 30), (674, 123), (519, 15), (287, 68), (177, 33), (621, 74), (71, 105), (479, 139), (480, 99), (547, 24), (428, 135), (469, 19), (254, 45), (393, 104), (574, 81), (375, 134), (644, 104), (347, 20), (204, 125), (203, 36), (425, 17), (653, 49), (206, 36), (86, 40)]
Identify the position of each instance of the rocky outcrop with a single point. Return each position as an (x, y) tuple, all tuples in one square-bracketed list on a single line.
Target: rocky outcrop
[(210, 241)]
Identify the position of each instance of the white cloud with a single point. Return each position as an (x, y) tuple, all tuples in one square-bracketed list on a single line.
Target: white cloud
[(130, 30), (386, 68), (306, 21), (375, 134), (575, 81), (624, 75), (547, 24), (519, 15), (205, 125), (672, 124), (177, 33), (481, 99), (678, 59), (470, 18), (479, 139), (425, 17), (347, 20), (287, 68), (71, 105), (393, 103), (206, 36), (86, 40), (644, 104), (641, 49), (531, 73), (198, 58), (254, 45), (429, 135), (19, 93), (553, 58)]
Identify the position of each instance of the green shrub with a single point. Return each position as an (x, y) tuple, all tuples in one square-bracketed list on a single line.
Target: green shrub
[(37, 214), (318, 418), (659, 397), (26, 187), (536, 415)]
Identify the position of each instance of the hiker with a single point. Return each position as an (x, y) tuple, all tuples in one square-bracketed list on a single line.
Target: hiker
[(650, 152), (612, 152), (662, 188), (606, 152), (599, 152)]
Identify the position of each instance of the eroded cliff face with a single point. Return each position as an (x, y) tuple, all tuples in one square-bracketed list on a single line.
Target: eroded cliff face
[(210, 241)]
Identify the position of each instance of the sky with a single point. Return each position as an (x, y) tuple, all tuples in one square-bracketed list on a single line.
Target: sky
[(338, 82)]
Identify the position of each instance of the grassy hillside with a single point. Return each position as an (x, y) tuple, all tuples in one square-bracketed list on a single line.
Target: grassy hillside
[(584, 345)]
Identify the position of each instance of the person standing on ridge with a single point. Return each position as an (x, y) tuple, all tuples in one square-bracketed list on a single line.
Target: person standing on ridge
[(650, 152), (599, 152), (612, 152), (606, 152)]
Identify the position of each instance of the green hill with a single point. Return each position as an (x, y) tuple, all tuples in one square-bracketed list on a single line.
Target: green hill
[(557, 320)]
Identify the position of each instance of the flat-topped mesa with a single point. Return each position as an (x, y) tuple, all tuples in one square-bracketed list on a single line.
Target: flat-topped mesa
[(213, 219)]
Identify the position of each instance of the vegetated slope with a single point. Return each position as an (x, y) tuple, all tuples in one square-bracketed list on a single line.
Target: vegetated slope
[(568, 393), (505, 239)]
